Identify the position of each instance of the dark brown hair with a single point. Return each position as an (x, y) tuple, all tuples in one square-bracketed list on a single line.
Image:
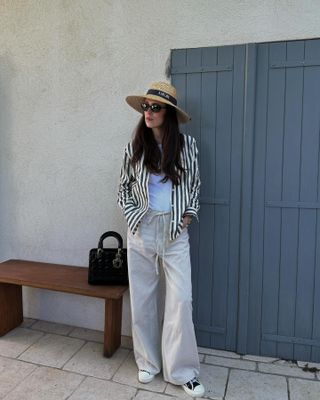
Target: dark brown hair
[(168, 161)]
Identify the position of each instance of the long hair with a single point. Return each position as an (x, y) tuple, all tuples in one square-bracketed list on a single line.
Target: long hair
[(167, 162)]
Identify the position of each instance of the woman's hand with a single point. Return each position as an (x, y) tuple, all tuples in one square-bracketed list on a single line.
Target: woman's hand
[(187, 219)]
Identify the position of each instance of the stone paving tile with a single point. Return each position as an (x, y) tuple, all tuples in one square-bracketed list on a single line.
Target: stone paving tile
[(17, 341), (301, 389), (259, 358), (230, 363), (18, 377), (246, 385), (90, 361), (213, 378), (12, 372), (128, 375), (144, 395), (87, 334), (96, 389), (52, 327), (52, 350), (176, 391), (303, 364), (46, 384), (221, 353), (285, 370), (286, 363)]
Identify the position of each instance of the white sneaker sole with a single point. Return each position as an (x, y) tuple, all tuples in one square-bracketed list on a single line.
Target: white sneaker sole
[(144, 377)]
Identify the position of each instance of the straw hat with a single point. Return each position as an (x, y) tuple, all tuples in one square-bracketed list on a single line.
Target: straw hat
[(159, 91)]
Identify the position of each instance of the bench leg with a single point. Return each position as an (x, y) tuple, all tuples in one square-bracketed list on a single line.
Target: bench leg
[(112, 326), (11, 314)]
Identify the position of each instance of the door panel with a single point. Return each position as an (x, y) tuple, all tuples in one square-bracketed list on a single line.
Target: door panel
[(210, 83), (256, 250), (285, 238)]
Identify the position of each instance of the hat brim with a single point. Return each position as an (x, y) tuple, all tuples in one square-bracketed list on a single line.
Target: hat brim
[(135, 102)]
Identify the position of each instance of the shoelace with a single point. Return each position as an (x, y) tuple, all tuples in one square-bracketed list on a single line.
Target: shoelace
[(144, 370), (193, 383)]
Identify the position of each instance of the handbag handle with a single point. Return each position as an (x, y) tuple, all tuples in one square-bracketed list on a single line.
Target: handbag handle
[(113, 234)]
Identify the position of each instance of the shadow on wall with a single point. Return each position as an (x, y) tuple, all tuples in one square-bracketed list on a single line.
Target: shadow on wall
[(7, 188)]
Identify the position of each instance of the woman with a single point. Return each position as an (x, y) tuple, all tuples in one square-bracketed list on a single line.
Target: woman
[(158, 193)]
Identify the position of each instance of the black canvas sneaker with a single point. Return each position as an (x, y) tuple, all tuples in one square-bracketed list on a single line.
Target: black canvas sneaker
[(194, 388)]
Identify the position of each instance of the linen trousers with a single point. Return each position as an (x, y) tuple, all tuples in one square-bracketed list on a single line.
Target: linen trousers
[(162, 335)]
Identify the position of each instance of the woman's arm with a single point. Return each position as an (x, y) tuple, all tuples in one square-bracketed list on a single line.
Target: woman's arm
[(193, 207), (124, 193)]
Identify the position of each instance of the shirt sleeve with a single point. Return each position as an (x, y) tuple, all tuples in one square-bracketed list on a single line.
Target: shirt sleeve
[(124, 192), (194, 205)]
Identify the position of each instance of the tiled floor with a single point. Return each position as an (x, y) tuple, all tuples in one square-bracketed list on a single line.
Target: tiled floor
[(46, 361)]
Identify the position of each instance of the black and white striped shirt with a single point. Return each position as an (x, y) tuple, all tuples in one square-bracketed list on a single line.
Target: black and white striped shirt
[(133, 197)]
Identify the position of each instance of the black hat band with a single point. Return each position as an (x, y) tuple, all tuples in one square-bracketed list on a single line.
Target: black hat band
[(162, 94)]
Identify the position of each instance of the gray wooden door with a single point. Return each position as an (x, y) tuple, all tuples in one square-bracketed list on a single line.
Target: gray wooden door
[(210, 83), (256, 249), (282, 311)]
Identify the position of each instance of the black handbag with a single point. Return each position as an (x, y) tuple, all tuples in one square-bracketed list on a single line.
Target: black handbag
[(108, 266)]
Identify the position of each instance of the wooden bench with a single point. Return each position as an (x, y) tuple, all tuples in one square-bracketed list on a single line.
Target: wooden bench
[(62, 278)]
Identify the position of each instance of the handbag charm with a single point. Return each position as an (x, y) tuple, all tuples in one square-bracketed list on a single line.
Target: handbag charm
[(117, 262)]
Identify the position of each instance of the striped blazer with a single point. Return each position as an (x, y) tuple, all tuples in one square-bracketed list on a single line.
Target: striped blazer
[(133, 197)]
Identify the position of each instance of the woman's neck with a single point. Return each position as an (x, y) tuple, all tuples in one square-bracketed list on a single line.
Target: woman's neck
[(158, 134)]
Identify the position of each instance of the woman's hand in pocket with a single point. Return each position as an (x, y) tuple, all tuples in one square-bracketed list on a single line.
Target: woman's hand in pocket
[(187, 219)]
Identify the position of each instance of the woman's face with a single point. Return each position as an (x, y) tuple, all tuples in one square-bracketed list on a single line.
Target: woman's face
[(154, 119)]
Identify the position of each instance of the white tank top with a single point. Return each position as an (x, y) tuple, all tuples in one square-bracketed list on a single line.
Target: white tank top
[(159, 192)]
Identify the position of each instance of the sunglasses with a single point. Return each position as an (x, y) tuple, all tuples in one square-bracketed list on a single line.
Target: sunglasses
[(155, 108)]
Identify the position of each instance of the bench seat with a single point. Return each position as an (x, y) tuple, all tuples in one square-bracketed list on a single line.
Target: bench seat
[(62, 278)]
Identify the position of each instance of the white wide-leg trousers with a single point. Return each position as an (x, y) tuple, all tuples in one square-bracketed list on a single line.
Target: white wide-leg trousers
[(168, 339)]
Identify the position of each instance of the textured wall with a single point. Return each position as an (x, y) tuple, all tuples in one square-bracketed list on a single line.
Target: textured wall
[(65, 68)]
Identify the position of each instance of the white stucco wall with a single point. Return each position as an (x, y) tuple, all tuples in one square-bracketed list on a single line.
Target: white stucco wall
[(65, 68)]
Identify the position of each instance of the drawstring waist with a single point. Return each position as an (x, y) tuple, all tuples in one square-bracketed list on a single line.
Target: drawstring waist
[(161, 237)]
